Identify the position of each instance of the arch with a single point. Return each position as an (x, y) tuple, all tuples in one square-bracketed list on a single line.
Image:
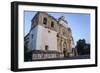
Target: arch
[(64, 48), (64, 45), (45, 20)]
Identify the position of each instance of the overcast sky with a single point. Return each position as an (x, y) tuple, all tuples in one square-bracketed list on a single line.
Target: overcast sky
[(79, 23)]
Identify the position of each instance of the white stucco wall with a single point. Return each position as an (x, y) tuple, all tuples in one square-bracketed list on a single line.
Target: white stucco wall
[(41, 38), (46, 38), (32, 42)]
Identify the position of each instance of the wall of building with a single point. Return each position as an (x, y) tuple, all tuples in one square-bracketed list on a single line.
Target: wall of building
[(32, 39), (62, 36), (45, 37), (43, 15)]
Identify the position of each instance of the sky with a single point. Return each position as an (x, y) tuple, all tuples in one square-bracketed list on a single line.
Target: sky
[(79, 23)]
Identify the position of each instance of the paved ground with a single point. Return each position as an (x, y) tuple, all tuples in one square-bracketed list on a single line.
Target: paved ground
[(79, 57), (67, 58)]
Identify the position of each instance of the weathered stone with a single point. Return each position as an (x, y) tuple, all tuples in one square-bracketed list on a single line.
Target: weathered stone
[(55, 36)]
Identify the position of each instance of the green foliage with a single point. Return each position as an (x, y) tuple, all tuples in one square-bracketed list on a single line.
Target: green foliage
[(82, 47)]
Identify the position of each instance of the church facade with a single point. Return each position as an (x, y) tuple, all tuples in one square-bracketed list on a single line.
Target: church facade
[(49, 37)]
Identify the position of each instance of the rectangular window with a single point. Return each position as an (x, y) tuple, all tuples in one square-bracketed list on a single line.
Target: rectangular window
[(48, 31), (46, 47), (32, 36), (52, 24)]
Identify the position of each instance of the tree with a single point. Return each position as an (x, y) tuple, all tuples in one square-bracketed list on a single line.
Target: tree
[(82, 47)]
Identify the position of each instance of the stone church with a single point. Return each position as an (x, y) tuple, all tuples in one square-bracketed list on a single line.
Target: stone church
[(49, 38)]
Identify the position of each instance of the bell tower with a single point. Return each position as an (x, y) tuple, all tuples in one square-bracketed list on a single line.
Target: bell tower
[(62, 21)]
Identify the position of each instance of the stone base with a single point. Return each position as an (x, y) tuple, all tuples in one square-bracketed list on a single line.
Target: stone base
[(43, 55)]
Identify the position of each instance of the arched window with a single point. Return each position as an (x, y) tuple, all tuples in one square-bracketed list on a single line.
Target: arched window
[(64, 49), (45, 20), (64, 45)]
